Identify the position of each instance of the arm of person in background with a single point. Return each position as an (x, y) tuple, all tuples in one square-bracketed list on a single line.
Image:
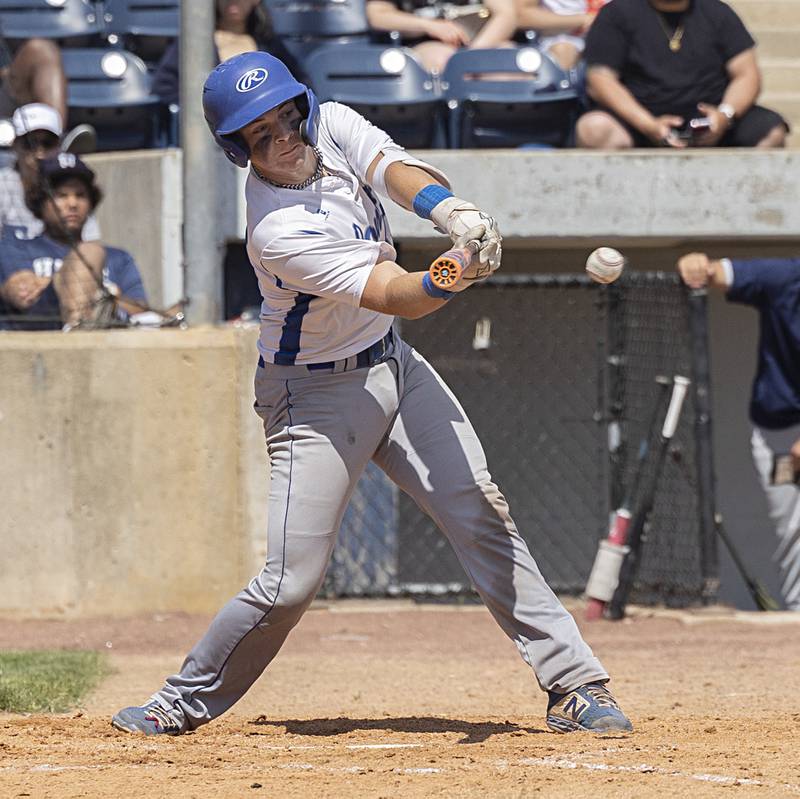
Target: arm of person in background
[(126, 281), (20, 286), (605, 88), (500, 26), (78, 282), (385, 16), (697, 271), (740, 95), (23, 288), (534, 16)]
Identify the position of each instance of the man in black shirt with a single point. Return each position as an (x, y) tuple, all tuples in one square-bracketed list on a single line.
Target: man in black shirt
[(674, 73)]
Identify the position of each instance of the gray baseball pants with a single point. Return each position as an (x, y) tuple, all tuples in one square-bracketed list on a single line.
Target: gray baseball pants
[(322, 429), (784, 507)]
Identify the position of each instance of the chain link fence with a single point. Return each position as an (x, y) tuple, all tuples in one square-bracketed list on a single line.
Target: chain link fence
[(558, 377)]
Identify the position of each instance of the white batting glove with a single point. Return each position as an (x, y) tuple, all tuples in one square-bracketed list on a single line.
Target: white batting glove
[(457, 217)]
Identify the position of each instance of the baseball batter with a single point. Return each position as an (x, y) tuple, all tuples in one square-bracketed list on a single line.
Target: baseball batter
[(336, 388)]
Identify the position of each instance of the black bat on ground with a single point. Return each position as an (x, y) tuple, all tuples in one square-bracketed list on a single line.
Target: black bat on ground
[(760, 595)]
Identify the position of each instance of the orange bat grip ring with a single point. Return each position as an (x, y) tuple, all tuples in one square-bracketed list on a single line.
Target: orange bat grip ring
[(446, 270)]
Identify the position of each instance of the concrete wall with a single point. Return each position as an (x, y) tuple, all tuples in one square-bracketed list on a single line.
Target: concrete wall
[(134, 472), (142, 212), (543, 198)]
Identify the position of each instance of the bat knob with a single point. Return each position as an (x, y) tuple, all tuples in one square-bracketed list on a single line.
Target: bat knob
[(444, 273)]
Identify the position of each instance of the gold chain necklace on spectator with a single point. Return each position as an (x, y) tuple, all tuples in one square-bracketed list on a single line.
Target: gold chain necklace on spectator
[(673, 38)]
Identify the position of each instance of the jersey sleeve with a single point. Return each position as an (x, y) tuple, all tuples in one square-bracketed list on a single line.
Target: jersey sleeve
[(606, 42), (13, 258), (733, 37), (314, 261), (761, 281), (358, 139), (123, 271)]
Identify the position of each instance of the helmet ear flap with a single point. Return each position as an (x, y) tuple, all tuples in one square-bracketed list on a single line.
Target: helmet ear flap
[(234, 148), (308, 106)]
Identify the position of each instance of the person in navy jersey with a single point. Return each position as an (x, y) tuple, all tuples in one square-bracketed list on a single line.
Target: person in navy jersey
[(56, 279), (772, 287)]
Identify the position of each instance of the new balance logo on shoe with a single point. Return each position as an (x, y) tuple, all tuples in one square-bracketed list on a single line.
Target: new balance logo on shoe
[(590, 708)]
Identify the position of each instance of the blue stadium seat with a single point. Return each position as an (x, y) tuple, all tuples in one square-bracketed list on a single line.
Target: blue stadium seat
[(303, 26), (110, 89), (68, 19), (144, 27), (387, 85), (537, 107), (143, 17)]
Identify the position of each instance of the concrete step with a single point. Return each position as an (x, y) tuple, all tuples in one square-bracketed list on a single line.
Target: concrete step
[(768, 13), (777, 42), (787, 104), (780, 74)]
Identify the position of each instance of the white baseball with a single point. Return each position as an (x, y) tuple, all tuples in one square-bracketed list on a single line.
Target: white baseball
[(605, 264)]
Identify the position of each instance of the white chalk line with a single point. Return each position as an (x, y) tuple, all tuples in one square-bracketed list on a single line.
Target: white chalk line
[(502, 765), (644, 768)]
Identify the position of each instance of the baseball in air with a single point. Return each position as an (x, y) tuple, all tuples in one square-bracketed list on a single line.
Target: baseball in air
[(605, 264)]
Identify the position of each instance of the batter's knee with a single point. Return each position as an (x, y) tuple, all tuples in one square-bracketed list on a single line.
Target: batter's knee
[(287, 601)]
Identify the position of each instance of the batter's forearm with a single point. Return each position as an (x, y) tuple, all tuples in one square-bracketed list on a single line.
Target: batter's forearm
[(393, 291), (404, 182)]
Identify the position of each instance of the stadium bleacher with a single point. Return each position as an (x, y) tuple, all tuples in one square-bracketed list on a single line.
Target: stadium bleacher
[(338, 55), (387, 85)]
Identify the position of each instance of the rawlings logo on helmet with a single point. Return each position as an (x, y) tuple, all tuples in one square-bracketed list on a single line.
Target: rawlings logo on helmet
[(251, 80)]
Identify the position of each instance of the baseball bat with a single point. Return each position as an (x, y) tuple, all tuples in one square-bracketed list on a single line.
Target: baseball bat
[(630, 562), (604, 576), (446, 270), (760, 595)]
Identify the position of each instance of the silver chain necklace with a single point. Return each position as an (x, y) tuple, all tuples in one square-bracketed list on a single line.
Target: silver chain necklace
[(305, 184)]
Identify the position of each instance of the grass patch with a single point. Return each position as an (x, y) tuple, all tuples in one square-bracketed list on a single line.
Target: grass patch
[(48, 681)]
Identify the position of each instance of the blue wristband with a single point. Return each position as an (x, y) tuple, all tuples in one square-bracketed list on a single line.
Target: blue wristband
[(435, 291), (428, 198)]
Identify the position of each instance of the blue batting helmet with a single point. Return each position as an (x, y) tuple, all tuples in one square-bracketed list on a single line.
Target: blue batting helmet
[(243, 88)]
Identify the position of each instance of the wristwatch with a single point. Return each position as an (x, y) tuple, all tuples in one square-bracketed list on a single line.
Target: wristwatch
[(728, 111)]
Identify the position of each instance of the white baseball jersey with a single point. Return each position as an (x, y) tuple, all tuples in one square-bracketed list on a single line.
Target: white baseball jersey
[(314, 249)]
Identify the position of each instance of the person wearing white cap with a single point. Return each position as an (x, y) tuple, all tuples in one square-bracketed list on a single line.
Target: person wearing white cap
[(38, 131)]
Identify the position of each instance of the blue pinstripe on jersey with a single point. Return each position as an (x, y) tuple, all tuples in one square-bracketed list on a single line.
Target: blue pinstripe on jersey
[(290, 336)]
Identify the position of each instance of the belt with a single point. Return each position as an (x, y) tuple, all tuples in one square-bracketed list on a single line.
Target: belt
[(373, 354)]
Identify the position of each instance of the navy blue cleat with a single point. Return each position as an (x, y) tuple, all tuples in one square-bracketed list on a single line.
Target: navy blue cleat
[(151, 719), (590, 708)]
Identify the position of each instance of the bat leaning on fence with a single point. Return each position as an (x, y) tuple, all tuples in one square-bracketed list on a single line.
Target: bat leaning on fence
[(630, 562), (610, 553)]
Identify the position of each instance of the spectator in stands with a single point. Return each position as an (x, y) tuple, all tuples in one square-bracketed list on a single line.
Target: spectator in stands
[(241, 26), (561, 24), (32, 74), (56, 278), (37, 129), (657, 68), (772, 287), (435, 38)]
